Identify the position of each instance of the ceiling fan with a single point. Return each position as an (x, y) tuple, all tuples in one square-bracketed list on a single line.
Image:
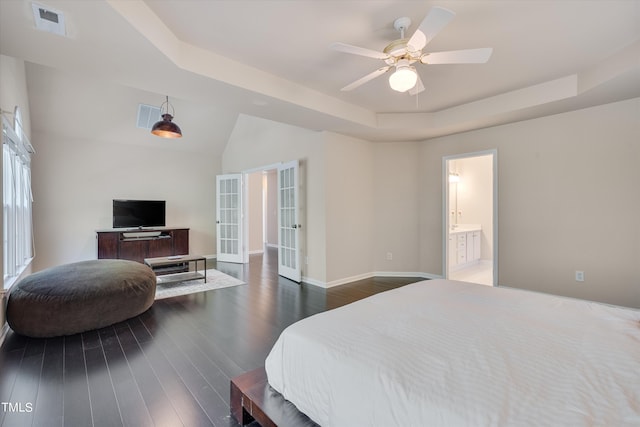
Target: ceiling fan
[(401, 54)]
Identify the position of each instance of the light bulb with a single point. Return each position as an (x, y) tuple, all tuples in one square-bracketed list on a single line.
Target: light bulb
[(404, 78)]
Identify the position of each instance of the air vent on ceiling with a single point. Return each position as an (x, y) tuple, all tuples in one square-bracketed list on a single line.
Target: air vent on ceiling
[(48, 19), (148, 115)]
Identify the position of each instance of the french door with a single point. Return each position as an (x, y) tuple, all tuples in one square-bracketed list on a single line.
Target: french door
[(229, 239), (288, 222)]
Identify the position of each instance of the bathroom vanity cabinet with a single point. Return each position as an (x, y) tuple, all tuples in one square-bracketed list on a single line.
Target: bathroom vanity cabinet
[(464, 246)]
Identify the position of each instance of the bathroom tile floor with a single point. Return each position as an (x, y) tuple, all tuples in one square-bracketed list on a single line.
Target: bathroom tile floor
[(481, 273)]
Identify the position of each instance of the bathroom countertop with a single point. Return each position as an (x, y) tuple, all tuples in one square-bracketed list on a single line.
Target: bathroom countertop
[(463, 228)]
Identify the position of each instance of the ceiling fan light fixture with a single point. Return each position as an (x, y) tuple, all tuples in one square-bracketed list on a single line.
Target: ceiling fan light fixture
[(404, 78), (404, 52), (165, 128)]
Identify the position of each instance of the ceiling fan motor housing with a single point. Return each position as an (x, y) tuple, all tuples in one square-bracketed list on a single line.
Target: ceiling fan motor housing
[(399, 49)]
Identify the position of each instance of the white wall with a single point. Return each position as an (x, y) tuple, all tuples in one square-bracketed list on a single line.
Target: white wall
[(567, 201)]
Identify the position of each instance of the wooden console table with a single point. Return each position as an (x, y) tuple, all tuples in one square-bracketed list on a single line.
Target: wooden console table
[(138, 244)]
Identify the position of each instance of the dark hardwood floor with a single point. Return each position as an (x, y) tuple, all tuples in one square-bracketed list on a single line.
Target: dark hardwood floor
[(171, 365)]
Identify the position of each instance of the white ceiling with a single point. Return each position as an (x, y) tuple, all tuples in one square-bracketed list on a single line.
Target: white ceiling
[(272, 59)]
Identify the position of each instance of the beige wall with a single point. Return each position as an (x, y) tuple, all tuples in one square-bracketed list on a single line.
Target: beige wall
[(568, 200), (13, 91), (254, 209), (337, 201), (89, 152), (349, 208), (396, 211), (255, 143), (75, 181), (271, 208)]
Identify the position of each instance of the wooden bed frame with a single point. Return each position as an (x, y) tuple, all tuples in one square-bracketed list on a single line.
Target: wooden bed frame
[(252, 399)]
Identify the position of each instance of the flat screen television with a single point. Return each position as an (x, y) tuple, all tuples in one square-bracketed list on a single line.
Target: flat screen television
[(138, 213)]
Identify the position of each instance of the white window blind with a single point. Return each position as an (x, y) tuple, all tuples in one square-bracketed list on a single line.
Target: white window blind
[(16, 201)]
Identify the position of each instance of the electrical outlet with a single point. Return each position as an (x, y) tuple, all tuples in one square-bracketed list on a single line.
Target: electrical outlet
[(579, 276), (389, 256)]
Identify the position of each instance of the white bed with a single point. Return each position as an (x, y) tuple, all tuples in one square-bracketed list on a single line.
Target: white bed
[(447, 353)]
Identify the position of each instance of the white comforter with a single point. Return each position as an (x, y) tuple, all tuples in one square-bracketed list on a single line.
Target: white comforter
[(446, 353)]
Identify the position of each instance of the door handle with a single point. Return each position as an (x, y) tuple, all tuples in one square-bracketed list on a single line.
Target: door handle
[(296, 226)]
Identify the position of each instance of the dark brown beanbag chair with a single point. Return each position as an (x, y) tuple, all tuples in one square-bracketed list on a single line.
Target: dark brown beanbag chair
[(78, 297)]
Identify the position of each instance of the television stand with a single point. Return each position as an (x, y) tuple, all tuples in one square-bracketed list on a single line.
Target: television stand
[(137, 244)]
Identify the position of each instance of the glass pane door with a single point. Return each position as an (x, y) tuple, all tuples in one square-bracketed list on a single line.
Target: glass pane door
[(229, 217), (288, 226)]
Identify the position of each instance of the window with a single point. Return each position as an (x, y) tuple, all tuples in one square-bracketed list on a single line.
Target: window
[(16, 199)]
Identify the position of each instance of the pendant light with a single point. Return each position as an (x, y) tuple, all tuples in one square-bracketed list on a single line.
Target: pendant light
[(165, 128)]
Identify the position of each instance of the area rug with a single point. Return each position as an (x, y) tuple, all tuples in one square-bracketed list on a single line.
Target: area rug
[(215, 280)]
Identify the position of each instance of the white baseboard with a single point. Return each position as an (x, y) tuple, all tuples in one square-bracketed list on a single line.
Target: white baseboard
[(346, 280), (215, 256), (313, 282), (406, 274)]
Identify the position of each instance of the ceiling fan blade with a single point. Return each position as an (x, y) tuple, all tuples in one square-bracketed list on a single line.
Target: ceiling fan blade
[(362, 51), (419, 87), (366, 78), (465, 56), (435, 21)]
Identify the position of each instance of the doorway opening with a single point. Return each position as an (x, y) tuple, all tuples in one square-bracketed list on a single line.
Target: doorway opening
[(260, 208), (470, 244)]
